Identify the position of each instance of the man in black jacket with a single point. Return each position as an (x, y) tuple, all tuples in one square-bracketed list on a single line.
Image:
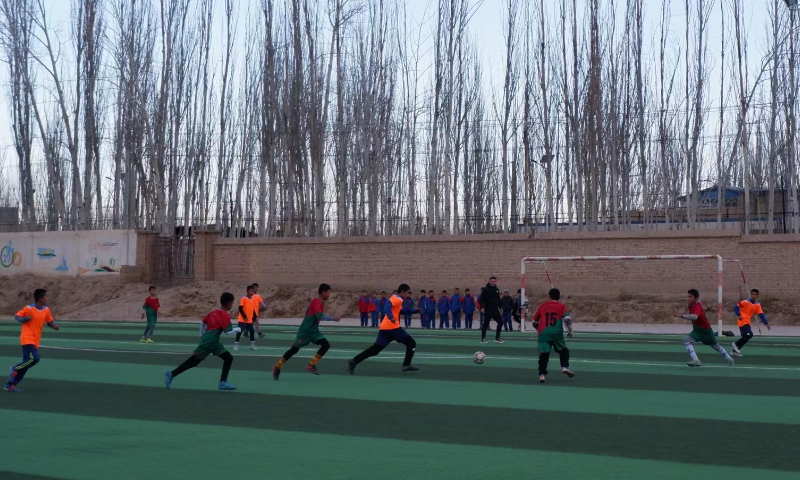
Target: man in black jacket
[(490, 307)]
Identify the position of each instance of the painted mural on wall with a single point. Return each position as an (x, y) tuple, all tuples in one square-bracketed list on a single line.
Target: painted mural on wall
[(67, 253)]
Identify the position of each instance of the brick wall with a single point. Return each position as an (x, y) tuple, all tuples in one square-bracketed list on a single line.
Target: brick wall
[(771, 263)]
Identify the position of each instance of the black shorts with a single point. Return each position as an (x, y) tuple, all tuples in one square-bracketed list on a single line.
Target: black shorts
[(246, 327), (385, 337)]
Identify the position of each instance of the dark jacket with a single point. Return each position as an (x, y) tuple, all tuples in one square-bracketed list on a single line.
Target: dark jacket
[(490, 298), (507, 303)]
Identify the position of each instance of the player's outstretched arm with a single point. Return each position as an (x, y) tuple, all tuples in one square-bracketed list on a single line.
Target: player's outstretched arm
[(20, 319), (688, 316), (52, 324)]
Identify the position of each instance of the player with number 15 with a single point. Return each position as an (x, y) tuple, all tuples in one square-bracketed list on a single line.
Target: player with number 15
[(549, 321)]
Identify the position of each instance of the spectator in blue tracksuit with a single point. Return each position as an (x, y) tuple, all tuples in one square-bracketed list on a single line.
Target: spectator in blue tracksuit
[(480, 313), (444, 310), (423, 314), (455, 308), (408, 310), (430, 309), (469, 306)]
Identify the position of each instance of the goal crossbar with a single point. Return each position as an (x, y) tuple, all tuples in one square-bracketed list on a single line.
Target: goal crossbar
[(719, 259)]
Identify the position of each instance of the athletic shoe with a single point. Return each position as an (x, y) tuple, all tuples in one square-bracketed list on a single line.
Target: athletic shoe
[(736, 352), (312, 369), (261, 335), (542, 378), (497, 340), (150, 340), (11, 388), (144, 340), (276, 372), (253, 347), (483, 340), (235, 346), (693, 363), (567, 372), (730, 362), (225, 386), (168, 379), (410, 368), (351, 366)]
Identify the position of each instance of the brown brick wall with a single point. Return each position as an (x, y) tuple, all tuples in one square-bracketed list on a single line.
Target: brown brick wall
[(771, 263)]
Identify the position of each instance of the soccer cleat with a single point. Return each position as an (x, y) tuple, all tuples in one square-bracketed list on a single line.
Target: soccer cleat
[(542, 378), (351, 366), (497, 340), (10, 387), (168, 379), (483, 340), (261, 335), (144, 340), (566, 371), (693, 363), (736, 352), (276, 372), (235, 346), (312, 369), (225, 386), (730, 362), (410, 368), (150, 340), (253, 347)]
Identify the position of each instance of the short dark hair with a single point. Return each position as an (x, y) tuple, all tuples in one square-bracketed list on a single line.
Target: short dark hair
[(383, 292), (444, 291), (422, 291), (755, 290), (39, 294), (554, 293), (225, 298), (467, 290), (403, 288), (693, 292), (151, 287), (492, 278), (430, 291), (323, 288), (249, 287), (255, 284)]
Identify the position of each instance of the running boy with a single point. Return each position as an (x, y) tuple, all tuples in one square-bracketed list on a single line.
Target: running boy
[(390, 331), (701, 331), (745, 310), (549, 321), (150, 307), (363, 308), (33, 319), (259, 304), (247, 314), (216, 323), (309, 333)]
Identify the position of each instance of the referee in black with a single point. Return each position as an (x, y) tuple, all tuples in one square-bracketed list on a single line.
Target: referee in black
[(490, 307)]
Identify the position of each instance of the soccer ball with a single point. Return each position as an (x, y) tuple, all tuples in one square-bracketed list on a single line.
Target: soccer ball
[(479, 357)]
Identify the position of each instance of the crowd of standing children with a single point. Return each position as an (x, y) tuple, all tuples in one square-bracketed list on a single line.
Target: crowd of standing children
[(454, 312)]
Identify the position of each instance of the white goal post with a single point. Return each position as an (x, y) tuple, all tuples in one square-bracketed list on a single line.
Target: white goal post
[(526, 260)]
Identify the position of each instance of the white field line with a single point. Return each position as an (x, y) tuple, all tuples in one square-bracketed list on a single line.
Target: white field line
[(434, 356)]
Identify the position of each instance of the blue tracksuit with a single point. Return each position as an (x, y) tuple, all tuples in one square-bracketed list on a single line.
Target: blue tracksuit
[(376, 313), (407, 311), (381, 303), (469, 310), (422, 303), (430, 311), (444, 312), (455, 309)]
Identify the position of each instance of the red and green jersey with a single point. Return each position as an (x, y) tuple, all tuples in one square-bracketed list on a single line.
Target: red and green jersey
[(550, 316), (696, 308), (217, 320)]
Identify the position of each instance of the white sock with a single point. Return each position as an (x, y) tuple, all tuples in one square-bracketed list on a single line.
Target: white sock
[(721, 350), (690, 349), (253, 343), (236, 343)]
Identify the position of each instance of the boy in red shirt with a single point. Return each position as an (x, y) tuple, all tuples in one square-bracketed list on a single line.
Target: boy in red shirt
[(33, 318), (363, 308), (150, 307), (216, 323), (701, 331)]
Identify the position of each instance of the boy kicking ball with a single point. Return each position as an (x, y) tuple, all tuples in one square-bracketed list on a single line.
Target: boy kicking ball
[(217, 323), (33, 319), (549, 321), (701, 331)]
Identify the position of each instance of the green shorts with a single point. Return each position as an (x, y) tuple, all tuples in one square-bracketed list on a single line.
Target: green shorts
[(209, 345), (304, 338), (704, 335), (547, 343)]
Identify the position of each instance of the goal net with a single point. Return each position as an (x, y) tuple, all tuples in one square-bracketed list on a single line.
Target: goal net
[(618, 275)]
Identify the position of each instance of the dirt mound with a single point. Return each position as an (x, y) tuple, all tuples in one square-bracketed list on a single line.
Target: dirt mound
[(107, 298)]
